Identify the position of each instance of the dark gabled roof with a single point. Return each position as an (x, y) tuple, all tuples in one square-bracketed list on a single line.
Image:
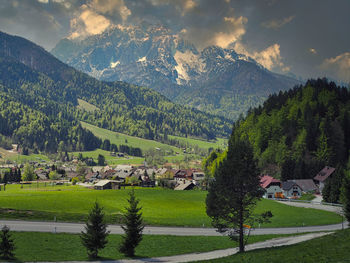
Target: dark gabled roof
[(288, 185), (324, 174), (306, 185)]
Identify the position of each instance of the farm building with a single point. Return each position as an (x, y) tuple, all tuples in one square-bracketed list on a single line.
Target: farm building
[(306, 185), (322, 177), (272, 187), (291, 189), (107, 184), (184, 185)]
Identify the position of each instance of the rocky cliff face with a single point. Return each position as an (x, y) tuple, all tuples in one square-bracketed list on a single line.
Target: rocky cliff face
[(215, 80)]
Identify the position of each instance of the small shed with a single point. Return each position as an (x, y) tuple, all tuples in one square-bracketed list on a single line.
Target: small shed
[(107, 184)]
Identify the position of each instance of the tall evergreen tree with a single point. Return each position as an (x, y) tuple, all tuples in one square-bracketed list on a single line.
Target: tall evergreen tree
[(7, 246), (133, 226), (235, 190), (345, 196), (95, 236)]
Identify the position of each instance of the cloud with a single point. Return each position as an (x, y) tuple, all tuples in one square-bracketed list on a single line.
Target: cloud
[(277, 24), (269, 57), (235, 32), (313, 51), (96, 16), (338, 66), (88, 23)]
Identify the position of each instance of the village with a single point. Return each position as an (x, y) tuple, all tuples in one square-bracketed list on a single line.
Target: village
[(116, 177)]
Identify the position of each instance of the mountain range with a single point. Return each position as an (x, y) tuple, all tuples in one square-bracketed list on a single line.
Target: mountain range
[(40, 97), (215, 80)]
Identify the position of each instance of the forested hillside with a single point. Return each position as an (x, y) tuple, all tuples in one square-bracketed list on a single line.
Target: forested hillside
[(39, 98), (297, 132)]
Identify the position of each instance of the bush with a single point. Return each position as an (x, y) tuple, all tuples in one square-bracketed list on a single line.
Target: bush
[(75, 180)]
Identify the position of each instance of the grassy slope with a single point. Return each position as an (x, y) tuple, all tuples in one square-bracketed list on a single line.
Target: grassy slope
[(332, 248), (57, 247), (119, 138), (84, 105), (160, 207)]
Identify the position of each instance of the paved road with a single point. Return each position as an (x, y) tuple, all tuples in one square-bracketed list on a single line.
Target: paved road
[(276, 242), (177, 231)]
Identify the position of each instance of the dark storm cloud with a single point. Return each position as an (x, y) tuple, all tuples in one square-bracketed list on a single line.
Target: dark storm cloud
[(309, 38)]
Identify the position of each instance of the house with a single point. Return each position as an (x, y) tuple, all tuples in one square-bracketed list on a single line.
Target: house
[(184, 185), (306, 185), (321, 178), (198, 177), (291, 189), (107, 184), (183, 174), (271, 186), (42, 174)]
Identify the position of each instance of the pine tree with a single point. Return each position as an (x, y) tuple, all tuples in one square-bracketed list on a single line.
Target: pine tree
[(7, 246), (95, 236), (133, 226), (235, 191), (345, 196)]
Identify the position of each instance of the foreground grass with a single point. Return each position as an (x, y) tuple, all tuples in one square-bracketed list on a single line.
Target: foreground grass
[(159, 206), (58, 247), (331, 248)]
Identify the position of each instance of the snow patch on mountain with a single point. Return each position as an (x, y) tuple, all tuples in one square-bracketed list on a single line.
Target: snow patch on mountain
[(143, 59), (187, 62), (114, 64)]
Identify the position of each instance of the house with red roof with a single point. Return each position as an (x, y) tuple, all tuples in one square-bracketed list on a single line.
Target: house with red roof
[(322, 177), (271, 186)]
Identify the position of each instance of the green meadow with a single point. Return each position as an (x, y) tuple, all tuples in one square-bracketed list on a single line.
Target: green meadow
[(61, 246), (159, 206)]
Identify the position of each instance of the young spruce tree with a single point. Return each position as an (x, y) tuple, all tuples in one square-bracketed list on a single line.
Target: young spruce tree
[(133, 226), (7, 246), (95, 236)]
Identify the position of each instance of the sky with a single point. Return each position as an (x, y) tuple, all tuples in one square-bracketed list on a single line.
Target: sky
[(305, 38)]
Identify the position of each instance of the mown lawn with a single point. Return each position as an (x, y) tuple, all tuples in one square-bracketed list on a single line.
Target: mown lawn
[(35, 246), (331, 248), (159, 206)]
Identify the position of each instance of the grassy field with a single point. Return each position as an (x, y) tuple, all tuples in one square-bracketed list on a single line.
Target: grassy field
[(18, 158), (84, 105), (59, 247), (331, 248), (160, 206), (307, 197), (119, 138), (219, 143)]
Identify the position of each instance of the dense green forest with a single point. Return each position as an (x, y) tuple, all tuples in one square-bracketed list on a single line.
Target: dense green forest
[(39, 97), (297, 132)]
